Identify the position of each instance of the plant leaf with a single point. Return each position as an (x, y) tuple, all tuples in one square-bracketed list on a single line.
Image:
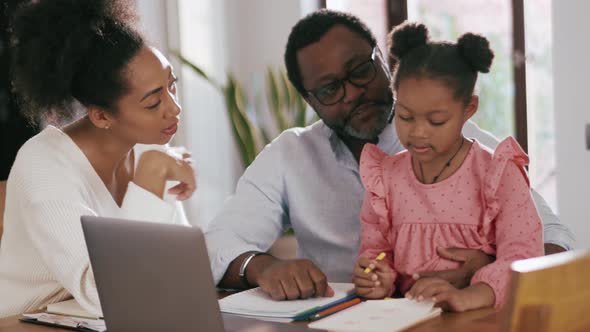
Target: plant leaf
[(286, 94), (297, 104), (274, 100), (301, 111), (230, 104), (265, 136), (247, 129)]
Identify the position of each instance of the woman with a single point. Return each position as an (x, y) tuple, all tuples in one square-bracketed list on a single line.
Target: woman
[(73, 53)]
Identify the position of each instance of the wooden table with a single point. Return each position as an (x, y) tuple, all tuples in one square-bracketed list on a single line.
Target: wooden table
[(485, 320)]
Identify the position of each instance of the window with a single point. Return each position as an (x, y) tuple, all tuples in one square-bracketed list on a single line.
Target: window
[(541, 121), (373, 13), (532, 122), (447, 20)]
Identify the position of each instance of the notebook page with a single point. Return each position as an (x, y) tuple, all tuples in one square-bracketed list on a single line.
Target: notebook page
[(377, 316), (97, 325), (69, 308), (255, 302)]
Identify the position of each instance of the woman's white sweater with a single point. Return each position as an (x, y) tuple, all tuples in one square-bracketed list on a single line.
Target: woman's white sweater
[(43, 256)]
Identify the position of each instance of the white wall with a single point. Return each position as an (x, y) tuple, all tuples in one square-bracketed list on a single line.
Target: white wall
[(571, 49), (256, 34), (153, 23)]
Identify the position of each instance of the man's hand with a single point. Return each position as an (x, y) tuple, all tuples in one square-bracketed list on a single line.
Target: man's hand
[(472, 260), (551, 249), (294, 279)]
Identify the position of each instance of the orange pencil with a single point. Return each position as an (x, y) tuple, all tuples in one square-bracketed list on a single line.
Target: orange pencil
[(335, 309)]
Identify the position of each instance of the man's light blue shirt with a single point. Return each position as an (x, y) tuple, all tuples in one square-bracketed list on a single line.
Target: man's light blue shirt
[(308, 179)]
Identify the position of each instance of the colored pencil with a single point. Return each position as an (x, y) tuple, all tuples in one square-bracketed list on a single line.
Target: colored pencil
[(335, 309)]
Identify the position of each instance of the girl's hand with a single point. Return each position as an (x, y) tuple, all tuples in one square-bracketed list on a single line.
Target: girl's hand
[(446, 296), (376, 284), (427, 288), (155, 167), (473, 297), (456, 300)]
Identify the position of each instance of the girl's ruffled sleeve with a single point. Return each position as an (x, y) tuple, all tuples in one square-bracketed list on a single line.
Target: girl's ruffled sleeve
[(375, 217), (508, 154), (511, 221), (371, 171)]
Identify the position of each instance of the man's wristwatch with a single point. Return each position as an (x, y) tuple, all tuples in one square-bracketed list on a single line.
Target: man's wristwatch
[(244, 266)]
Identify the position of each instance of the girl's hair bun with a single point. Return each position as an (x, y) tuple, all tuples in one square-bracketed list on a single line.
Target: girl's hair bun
[(406, 37), (475, 49)]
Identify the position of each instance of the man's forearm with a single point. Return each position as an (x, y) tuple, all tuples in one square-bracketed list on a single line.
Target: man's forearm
[(231, 278), (551, 248), (554, 232)]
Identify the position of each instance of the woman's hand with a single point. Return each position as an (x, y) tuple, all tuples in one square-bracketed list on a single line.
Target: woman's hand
[(376, 284), (183, 170), (155, 167)]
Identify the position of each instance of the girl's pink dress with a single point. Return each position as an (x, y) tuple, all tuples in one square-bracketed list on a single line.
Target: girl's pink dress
[(486, 205)]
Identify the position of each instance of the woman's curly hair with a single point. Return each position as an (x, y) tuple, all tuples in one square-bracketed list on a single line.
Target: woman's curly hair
[(68, 51)]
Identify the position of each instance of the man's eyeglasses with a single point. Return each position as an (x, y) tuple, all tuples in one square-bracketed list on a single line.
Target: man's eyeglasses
[(359, 76)]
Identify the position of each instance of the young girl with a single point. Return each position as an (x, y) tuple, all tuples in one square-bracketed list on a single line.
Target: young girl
[(449, 191), (70, 52)]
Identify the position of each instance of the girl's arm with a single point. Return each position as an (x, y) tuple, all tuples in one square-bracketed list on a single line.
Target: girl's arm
[(557, 236), (375, 228), (518, 231)]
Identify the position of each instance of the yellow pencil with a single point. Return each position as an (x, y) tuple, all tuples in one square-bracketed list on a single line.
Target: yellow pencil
[(379, 258)]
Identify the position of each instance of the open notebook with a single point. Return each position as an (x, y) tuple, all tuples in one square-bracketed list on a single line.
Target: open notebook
[(67, 314), (69, 308), (255, 302), (379, 315)]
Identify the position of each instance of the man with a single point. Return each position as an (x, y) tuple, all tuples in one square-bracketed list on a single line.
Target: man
[(308, 178)]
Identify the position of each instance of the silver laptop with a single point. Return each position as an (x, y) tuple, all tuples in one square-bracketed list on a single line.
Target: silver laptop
[(156, 277), (151, 276)]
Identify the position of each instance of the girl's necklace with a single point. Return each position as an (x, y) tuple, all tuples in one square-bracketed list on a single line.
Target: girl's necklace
[(444, 167)]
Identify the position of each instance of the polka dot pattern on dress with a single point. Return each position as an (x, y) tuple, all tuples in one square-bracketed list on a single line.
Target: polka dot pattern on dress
[(485, 205)]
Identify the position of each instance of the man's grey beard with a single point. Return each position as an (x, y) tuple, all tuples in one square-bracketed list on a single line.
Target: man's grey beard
[(369, 133)]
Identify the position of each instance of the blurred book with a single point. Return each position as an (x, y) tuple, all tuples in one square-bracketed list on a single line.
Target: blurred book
[(66, 322), (379, 315), (70, 308)]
